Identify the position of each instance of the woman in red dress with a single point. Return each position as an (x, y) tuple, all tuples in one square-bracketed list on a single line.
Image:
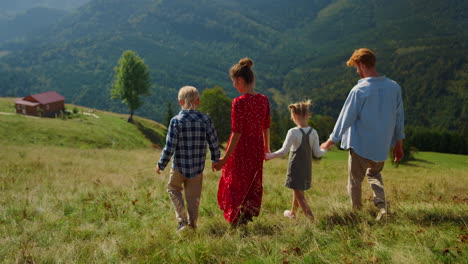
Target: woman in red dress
[(240, 187)]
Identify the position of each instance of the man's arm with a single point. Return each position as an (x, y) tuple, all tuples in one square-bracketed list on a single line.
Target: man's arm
[(398, 152), (348, 116), (399, 133)]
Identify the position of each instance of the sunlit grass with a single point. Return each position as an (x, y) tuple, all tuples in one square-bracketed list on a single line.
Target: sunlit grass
[(104, 206), (100, 130)]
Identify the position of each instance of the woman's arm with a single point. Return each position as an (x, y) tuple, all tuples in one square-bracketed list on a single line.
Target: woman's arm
[(233, 140), (266, 140)]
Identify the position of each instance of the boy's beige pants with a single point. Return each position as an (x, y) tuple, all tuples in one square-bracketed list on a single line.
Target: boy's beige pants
[(192, 186), (358, 168)]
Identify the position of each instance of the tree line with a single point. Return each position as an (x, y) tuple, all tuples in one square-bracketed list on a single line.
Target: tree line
[(132, 81)]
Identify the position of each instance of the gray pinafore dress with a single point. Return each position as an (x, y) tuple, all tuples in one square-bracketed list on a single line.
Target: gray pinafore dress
[(299, 175)]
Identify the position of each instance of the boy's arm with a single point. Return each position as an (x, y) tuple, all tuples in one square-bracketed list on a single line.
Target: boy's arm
[(213, 142), (171, 143)]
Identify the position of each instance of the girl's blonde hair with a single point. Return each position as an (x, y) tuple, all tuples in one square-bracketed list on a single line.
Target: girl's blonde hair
[(188, 94), (300, 108), (243, 69)]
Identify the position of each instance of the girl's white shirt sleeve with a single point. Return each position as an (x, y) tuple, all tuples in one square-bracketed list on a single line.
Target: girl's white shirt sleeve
[(315, 145), (287, 144), (293, 141)]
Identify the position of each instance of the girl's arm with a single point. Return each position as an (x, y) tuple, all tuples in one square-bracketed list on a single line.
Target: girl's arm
[(284, 149), (316, 151)]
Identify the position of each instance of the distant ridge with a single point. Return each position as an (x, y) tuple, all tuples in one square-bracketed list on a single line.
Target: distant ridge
[(299, 48)]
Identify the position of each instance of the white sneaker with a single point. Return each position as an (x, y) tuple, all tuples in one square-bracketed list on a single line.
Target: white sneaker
[(382, 214), (182, 227), (289, 214)]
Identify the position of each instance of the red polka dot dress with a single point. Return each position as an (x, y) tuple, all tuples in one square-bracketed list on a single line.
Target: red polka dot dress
[(240, 187)]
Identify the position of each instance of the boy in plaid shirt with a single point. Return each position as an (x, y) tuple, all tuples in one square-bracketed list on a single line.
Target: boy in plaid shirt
[(188, 134)]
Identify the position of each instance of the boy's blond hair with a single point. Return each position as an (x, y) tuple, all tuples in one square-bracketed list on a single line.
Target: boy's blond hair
[(300, 108), (188, 94)]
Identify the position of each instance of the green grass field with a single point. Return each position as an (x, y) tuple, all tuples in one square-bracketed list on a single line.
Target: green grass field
[(89, 128), (103, 204)]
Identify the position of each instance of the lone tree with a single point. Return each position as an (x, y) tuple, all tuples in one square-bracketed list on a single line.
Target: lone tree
[(131, 80), (217, 105)]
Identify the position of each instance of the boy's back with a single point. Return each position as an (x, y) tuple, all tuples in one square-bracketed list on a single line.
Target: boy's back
[(187, 137)]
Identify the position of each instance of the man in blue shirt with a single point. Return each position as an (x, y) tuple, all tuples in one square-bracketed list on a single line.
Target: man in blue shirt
[(370, 122), (188, 135)]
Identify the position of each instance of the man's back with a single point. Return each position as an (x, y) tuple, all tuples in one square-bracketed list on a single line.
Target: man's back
[(375, 117)]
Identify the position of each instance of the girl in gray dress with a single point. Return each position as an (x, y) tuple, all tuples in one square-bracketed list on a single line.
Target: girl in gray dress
[(303, 142)]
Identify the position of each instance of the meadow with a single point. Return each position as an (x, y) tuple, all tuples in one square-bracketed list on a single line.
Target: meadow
[(71, 204), (67, 205)]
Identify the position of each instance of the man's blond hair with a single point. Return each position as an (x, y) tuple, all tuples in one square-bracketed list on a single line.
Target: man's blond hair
[(364, 56)]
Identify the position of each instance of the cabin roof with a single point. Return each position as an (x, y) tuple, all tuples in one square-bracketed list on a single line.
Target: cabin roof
[(45, 98)]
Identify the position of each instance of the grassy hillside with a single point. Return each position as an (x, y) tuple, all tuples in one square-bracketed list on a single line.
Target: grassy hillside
[(108, 206), (89, 128)]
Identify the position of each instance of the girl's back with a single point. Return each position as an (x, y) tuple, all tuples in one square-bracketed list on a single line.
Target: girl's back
[(251, 115)]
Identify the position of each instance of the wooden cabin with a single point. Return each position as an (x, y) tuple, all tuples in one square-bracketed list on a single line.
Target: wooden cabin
[(43, 104)]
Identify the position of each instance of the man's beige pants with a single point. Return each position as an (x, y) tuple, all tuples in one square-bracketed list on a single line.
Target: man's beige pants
[(193, 186), (358, 167)]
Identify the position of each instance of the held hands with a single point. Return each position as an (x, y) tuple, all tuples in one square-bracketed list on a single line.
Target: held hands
[(158, 170), (268, 156), (218, 165), (327, 145), (214, 165)]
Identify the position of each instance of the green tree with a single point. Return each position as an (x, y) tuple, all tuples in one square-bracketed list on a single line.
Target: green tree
[(131, 81), (323, 124), (169, 115), (217, 105)]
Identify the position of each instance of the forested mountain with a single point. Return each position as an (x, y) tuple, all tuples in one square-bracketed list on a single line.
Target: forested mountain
[(15, 6), (299, 46), (30, 23)]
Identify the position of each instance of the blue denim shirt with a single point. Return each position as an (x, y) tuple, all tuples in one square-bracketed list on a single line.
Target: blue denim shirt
[(372, 118), (187, 137)]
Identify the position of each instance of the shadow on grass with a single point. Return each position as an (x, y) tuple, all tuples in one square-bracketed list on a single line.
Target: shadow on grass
[(429, 217), (344, 218), (411, 163), (149, 133)]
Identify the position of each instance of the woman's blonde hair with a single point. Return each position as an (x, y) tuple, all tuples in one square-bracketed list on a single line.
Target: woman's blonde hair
[(300, 108), (243, 69), (188, 94)]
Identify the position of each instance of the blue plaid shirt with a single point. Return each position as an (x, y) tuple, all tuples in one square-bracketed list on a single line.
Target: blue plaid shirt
[(188, 133)]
